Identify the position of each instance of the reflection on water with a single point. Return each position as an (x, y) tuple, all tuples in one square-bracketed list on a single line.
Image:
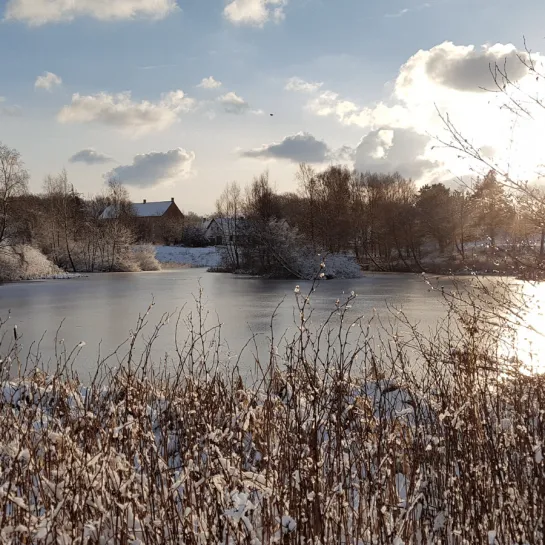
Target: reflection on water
[(530, 333), (102, 309)]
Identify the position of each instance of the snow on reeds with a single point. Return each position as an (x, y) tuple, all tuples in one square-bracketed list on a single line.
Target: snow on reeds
[(341, 438)]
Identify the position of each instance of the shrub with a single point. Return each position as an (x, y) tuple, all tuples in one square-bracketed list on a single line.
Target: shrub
[(23, 262), (145, 257)]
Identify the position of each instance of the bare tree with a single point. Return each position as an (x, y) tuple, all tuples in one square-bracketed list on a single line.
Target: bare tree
[(65, 215), (520, 103), (308, 189), (461, 214), (229, 209), (119, 227), (13, 183)]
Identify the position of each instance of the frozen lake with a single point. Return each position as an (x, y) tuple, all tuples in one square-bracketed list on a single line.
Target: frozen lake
[(103, 308)]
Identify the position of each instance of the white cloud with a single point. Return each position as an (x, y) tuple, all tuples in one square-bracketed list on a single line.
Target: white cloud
[(41, 12), (329, 103), (254, 12), (448, 78), (469, 69), (233, 104), (301, 86), (47, 81), (209, 83), (90, 157), (301, 147), (395, 150), (155, 168), (120, 111)]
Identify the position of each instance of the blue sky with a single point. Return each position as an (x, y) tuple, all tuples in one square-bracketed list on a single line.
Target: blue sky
[(189, 143)]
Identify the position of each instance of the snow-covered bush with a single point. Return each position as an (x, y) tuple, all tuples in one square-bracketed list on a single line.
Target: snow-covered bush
[(24, 262), (342, 265), (145, 257)]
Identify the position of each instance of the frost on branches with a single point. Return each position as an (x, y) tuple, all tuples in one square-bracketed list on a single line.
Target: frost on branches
[(25, 263), (337, 441)]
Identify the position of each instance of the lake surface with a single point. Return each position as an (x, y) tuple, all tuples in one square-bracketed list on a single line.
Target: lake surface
[(102, 309)]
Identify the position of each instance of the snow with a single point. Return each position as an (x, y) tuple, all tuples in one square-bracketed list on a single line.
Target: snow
[(341, 265), (27, 263), (142, 210), (194, 257), (288, 525), (146, 210)]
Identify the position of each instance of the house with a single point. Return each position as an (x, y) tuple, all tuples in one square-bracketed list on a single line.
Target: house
[(224, 231), (156, 221)]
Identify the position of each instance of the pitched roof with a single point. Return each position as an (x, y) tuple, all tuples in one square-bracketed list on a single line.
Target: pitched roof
[(226, 224), (142, 210), (149, 209)]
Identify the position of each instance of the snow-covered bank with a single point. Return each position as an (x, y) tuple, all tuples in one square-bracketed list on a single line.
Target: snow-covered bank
[(192, 257), (342, 265), (26, 263)]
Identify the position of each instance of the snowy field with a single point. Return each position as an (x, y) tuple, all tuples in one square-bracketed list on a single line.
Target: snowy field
[(192, 257)]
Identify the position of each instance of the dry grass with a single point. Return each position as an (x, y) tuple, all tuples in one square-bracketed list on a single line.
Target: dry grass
[(341, 439)]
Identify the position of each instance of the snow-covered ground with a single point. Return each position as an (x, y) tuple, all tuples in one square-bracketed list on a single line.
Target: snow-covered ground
[(342, 265), (193, 257), (337, 265)]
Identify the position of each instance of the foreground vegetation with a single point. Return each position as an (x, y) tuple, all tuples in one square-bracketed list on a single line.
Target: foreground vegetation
[(338, 437)]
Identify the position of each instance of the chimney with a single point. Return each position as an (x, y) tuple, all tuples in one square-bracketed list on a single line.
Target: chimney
[(172, 200), (144, 201)]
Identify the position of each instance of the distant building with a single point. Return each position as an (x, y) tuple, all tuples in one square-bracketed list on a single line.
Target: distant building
[(157, 221), (224, 231)]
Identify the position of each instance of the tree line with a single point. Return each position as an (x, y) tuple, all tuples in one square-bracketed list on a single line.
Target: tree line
[(385, 221), (66, 227)]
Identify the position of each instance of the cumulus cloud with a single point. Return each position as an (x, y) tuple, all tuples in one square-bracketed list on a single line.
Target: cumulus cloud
[(90, 157), (448, 78), (301, 147), (468, 68), (155, 168), (301, 86), (233, 104), (394, 150), (254, 12), (209, 83), (41, 12), (47, 81), (122, 112), (329, 103)]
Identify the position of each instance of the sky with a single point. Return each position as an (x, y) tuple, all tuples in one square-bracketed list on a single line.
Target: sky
[(174, 97)]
